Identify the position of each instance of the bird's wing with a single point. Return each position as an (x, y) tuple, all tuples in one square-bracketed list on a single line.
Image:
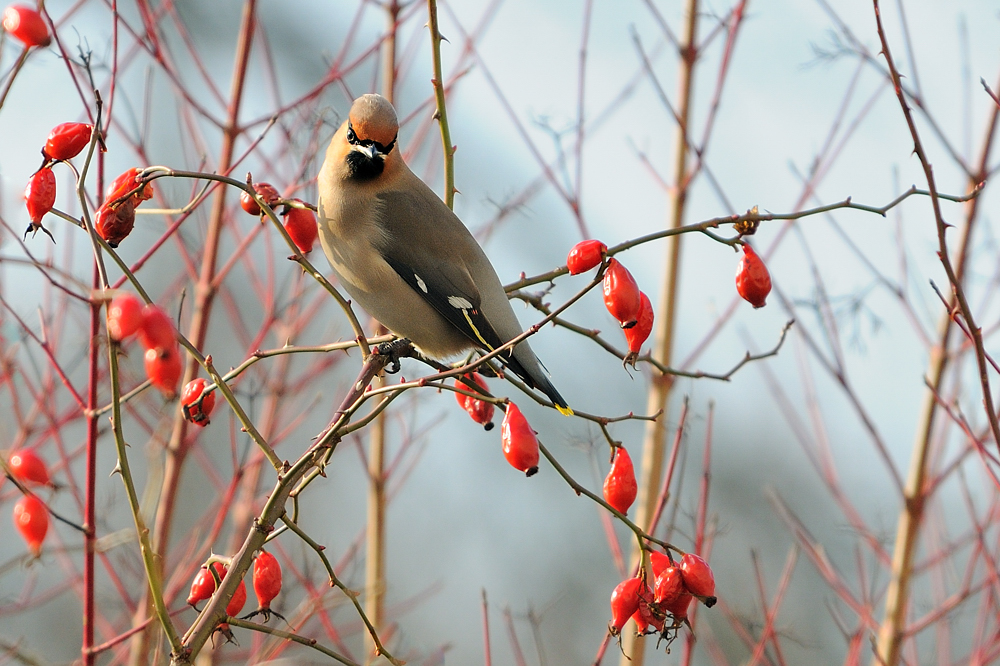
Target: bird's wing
[(412, 224)]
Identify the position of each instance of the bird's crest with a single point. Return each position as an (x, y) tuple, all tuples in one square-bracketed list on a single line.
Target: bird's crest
[(373, 119)]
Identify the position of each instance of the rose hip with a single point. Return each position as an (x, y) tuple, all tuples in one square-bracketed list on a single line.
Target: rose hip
[(520, 446), (66, 140), (753, 282), (621, 294), (40, 194), (26, 25), (620, 487), (585, 255)]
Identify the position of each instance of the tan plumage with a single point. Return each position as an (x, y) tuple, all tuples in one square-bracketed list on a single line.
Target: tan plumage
[(404, 256)]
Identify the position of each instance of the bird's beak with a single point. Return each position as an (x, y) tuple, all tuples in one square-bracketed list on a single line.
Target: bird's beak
[(371, 151)]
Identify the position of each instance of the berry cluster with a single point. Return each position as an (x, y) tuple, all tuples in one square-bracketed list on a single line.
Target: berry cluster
[(64, 142), (622, 297), (676, 586), (115, 218), (31, 516), (206, 582), (300, 221), (634, 312), (520, 445), (266, 585), (127, 316)]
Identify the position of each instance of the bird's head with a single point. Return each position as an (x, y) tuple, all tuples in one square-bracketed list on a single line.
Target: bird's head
[(369, 136)]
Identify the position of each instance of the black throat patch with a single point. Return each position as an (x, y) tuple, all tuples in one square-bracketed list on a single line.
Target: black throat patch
[(362, 167)]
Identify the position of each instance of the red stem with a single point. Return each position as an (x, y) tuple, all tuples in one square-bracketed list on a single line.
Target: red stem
[(204, 293), (89, 538)]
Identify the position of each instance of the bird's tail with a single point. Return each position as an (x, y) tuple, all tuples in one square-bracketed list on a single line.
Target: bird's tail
[(536, 379)]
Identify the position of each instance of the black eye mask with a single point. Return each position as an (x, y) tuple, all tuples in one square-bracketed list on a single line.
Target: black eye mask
[(353, 139)]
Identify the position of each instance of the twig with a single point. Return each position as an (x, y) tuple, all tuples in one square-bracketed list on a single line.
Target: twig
[(289, 636), (716, 222), (149, 558), (8, 84), (579, 489), (891, 632), (442, 112), (273, 510), (942, 228), (989, 91), (658, 396), (487, 653)]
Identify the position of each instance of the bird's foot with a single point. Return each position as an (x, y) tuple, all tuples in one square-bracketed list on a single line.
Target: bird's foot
[(395, 350)]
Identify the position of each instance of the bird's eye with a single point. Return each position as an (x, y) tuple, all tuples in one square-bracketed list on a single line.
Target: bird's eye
[(352, 138)]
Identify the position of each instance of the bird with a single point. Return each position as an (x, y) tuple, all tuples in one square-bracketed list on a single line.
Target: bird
[(405, 257)]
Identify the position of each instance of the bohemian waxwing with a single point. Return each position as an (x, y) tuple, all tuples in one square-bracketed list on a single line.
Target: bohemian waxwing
[(405, 257)]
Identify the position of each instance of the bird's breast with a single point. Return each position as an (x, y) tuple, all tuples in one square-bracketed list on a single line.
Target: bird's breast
[(350, 234)]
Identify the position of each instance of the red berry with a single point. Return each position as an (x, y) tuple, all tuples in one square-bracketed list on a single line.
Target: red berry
[(67, 140), (266, 579), (481, 411), (124, 316), (643, 325), (164, 368), (460, 397), (121, 185), (156, 328), (26, 25), (645, 616), (203, 585), (621, 294), (669, 586), (300, 223), (238, 600), (248, 204), (193, 411), (659, 562), (520, 446), (28, 467), (266, 192), (753, 282), (40, 194), (620, 487), (126, 182), (624, 603), (585, 255), (114, 224), (698, 577), (31, 519), (679, 608)]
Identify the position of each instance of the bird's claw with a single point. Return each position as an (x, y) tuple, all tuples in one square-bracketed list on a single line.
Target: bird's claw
[(395, 349)]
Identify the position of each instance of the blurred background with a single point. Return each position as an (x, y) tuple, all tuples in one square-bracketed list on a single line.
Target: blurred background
[(564, 115)]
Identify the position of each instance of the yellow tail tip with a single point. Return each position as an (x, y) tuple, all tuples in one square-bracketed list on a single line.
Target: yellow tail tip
[(565, 410)]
